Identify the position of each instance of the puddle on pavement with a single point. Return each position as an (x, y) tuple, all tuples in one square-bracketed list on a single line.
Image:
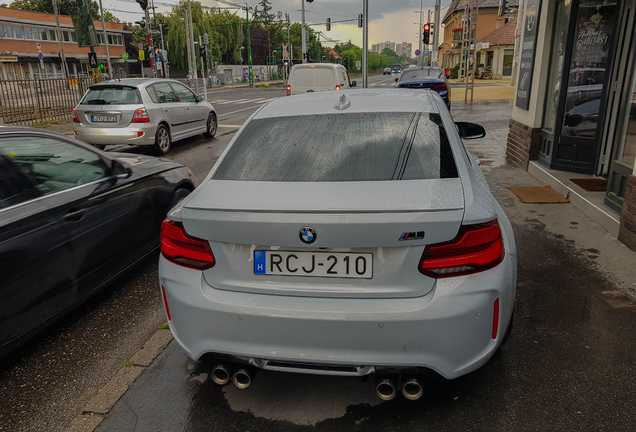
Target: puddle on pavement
[(300, 399)]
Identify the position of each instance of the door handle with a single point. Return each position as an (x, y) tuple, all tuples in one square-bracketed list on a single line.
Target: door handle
[(165, 110), (74, 215)]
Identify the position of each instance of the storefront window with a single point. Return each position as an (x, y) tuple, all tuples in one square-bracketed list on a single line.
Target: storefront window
[(507, 62), (557, 59), (627, 153), (590, 54)]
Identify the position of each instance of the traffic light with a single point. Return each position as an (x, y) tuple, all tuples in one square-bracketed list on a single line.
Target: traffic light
[(427, 33), (101, 66), (502, 7), (142, 24), (359, 20), (206, 39), (201, 51), (143, 4), (328, 24)]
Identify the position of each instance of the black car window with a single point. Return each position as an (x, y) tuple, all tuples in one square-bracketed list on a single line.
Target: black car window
[(421, 74), (53, 165), (165, 93), (340, 147), (184, 93), (153, 95), (111, 94)]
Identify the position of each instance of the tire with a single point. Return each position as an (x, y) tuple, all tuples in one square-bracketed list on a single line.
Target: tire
[(212, 126), (163, 140), (177, 197), (100, 147)]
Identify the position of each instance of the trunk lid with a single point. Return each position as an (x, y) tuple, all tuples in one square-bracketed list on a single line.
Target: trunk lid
[(240, 217)]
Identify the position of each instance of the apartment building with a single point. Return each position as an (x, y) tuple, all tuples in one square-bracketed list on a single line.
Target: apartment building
[(22, 31), (404, 49), (379, 47)]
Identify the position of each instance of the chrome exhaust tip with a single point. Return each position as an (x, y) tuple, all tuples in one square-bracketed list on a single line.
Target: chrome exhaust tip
[(412, 389), (242, 379), (221, 374), (385, 389)]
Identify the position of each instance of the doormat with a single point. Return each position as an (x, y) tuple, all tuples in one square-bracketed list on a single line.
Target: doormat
[(591, 184), (538, 195)]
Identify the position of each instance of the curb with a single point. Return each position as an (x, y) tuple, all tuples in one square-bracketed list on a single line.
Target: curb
[(100, 404)]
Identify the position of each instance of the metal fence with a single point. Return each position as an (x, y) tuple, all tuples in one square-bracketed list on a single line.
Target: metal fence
[(25, 102)]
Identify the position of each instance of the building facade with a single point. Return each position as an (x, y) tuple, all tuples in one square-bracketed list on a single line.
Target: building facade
[(496, 50), (488, 20), (404, 49), (21, 32), (379, 47), (575, 105)]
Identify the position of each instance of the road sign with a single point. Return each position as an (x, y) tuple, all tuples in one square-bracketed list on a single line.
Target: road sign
[(41, 56), (125, 56), (39, 46), (140, 46), (417, 52), (158, 59), (157, 51), (425, 51), (358, 64), (92, 60), (142, 55)]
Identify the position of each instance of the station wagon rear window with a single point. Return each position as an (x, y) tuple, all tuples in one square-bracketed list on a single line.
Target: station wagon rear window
[(339, 148), (111, 95)]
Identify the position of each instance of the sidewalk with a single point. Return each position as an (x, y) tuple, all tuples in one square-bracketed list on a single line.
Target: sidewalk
[(482, 93)]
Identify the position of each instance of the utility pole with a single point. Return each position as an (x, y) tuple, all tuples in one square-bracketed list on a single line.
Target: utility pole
[(161, 32), (101, 11), (65, 71), (188, 47), (428, 57), (304, 37), (437, 28), (191, 41), (515, 57), (420, 58), (150, 50), (249, 47), (203, 74), (365, 44)]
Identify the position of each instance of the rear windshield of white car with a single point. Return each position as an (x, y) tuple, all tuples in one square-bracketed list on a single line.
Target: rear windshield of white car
[(339, 148), (107, 95), (421, 74)]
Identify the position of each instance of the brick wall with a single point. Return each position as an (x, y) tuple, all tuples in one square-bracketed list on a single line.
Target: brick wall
[(523, 144), (627, 232)]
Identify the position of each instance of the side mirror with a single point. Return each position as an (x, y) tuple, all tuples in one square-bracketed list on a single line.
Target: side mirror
[(354, 83), (477, 161), (396, 80), (119, 170), (470, 130)]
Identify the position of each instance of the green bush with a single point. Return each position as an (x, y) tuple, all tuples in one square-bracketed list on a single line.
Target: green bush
[(454, 73)]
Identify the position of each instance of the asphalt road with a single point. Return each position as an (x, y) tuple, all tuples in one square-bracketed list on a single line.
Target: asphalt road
[(569, 364)]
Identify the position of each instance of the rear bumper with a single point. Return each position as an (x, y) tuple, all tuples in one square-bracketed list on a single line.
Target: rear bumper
[(449, 330), (116, 136)]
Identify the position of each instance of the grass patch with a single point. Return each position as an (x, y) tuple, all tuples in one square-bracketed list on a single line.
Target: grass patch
[(49, 123), (164, 326), (129, 363)]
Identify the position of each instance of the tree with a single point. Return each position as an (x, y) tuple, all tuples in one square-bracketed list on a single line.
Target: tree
[(262, 15), (64, 7), (110, 17)]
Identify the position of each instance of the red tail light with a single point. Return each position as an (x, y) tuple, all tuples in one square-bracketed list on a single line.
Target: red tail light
[(141, 116), (178, 247), (398, 86), (288, 90), (476, 248), (75, 118), (440, 87), (337, 87)]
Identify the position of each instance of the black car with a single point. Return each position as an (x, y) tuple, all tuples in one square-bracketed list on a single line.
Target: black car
[(71, 219), (427, 77)]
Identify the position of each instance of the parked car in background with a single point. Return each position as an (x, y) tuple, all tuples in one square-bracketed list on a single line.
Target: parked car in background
[(317, 77), (397, 261), (71, 219), (387, 71), (137, 111), (427, 77)]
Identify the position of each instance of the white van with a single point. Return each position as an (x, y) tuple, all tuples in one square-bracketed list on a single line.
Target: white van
[(314, 77)]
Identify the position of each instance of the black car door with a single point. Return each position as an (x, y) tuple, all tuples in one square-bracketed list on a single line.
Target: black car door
[(35, 250)]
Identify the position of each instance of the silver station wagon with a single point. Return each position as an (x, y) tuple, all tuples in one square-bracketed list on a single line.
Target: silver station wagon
[(137, 111), (342, 233)]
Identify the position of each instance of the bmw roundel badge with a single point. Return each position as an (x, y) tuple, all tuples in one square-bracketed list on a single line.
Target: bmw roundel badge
[(307, 235)]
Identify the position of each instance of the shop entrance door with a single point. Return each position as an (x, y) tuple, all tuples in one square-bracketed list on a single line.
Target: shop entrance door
[(583, 49)]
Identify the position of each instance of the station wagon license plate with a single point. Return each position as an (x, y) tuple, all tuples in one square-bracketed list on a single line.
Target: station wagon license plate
[(319, 264), (102, 118)]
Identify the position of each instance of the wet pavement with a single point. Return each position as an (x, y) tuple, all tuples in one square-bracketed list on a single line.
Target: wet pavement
[(569, 365)]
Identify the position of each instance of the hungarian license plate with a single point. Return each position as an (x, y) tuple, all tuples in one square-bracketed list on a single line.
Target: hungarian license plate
[(320, 264), (103, 118)]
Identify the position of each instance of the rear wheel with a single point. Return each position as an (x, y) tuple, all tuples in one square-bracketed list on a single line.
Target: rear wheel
[(162, 140), (177, 197), (212, 126)]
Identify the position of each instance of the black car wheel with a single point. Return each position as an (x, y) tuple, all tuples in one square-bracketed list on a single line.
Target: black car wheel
[(163, 141), (212, 126), (177, 197)]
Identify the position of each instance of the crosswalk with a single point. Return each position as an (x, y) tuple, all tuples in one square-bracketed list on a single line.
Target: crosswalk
[(257, 101)]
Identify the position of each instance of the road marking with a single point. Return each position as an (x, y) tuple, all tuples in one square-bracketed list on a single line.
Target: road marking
[(244, 109), (233, 126), (233, 101)]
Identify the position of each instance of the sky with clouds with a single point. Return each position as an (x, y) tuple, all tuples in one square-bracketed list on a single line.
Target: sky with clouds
[(394, 20)]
